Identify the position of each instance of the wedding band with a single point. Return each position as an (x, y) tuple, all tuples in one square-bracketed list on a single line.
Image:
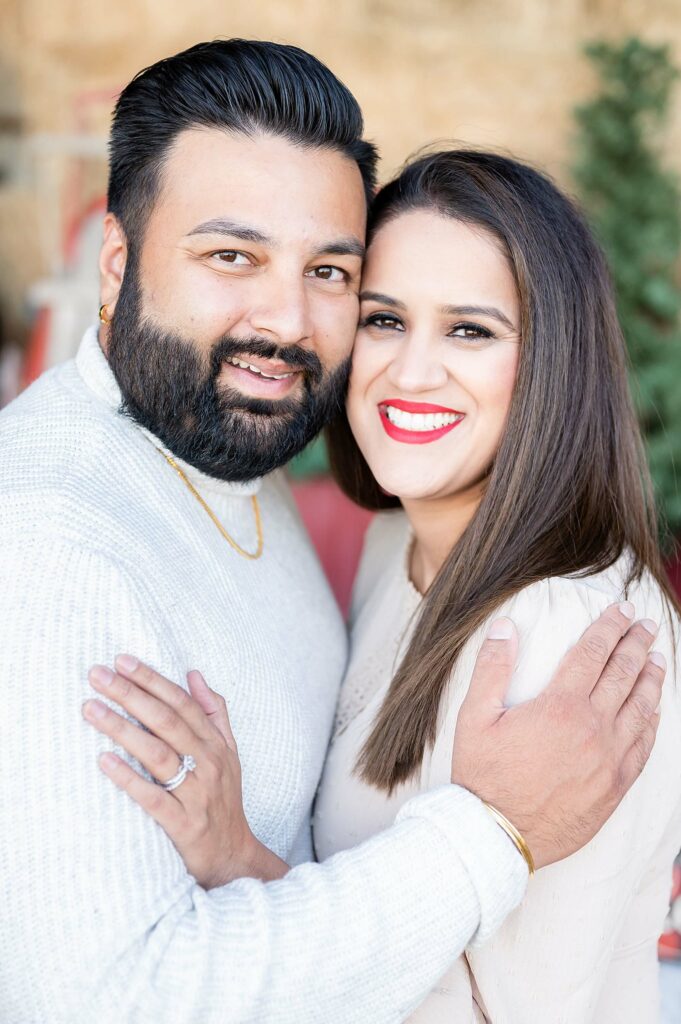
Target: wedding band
[(187, 764)]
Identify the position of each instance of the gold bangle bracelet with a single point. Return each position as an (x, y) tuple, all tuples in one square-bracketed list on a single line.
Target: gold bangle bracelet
[(514, 835)]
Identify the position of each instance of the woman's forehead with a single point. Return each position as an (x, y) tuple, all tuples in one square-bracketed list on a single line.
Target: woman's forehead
[(449, 261)]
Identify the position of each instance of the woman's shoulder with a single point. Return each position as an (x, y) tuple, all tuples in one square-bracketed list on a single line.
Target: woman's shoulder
[(384, 553), (551, 614), (572, 598)]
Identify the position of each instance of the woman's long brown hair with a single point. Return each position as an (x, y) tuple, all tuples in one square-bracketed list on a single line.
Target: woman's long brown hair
[(569, 490)]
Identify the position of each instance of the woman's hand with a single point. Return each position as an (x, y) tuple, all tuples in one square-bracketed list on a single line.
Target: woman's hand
[(204, 816)]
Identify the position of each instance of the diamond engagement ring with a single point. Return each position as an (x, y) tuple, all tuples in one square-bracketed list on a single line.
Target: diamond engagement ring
[(187, 764)]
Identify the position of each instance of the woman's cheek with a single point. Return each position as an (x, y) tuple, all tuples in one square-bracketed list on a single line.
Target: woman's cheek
[(357, 413), (507, 376), (365, 369), (494, 382)]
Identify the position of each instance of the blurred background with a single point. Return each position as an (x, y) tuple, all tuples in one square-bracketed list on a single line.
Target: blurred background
[(585, 89)]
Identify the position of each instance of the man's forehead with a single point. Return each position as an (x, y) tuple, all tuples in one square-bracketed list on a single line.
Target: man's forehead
[(213, 180)]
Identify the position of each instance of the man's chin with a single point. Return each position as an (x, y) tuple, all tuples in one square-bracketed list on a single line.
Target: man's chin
[(245, 445), (251, 407)]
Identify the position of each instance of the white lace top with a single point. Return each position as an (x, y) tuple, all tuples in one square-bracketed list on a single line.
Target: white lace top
[(582, 946)]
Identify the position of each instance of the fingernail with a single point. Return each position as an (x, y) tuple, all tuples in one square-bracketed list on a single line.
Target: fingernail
[(101, 674), (501, 629), (126, 663), (627, 609), (650, 626), (95, 709), (658, 659), (109, 761)]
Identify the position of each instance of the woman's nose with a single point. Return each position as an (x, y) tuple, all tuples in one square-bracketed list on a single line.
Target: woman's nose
[(417, 366)]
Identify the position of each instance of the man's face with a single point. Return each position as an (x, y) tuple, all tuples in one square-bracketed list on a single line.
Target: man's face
[(233, 326)]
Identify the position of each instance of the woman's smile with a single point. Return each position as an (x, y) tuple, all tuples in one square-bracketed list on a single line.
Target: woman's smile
[(416, 422)]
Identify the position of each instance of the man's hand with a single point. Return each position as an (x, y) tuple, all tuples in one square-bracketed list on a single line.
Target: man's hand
[(558, 766)]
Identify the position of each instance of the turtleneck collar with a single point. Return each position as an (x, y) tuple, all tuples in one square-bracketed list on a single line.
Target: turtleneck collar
[(99, 377)]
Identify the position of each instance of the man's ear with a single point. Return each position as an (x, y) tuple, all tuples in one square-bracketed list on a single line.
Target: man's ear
[(112, 260)]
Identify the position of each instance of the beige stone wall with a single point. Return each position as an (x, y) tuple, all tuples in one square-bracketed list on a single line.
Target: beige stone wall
[(499, 73)]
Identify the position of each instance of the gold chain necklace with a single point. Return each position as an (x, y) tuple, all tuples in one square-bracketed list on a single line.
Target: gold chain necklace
[(230, 540)]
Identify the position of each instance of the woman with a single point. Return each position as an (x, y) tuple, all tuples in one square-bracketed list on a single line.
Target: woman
[(489, 393), (488, 406)]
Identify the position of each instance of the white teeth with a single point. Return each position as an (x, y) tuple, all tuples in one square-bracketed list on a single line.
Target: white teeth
[(254, 369), (420, 421)]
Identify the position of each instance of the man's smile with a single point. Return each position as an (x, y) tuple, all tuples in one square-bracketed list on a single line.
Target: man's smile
[(261, 378)]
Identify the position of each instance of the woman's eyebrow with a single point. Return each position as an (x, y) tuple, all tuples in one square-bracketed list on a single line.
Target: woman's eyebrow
[(491, 311), (384, 300)]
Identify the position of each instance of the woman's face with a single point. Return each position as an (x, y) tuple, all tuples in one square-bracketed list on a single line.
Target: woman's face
[(436, 355)]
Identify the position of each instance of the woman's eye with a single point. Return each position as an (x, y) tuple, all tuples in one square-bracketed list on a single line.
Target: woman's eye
[(329, 274), (470, 332), (233, 257), (383, 321)]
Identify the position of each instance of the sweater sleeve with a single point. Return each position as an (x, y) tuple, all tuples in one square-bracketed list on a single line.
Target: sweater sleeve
[(100, 920)]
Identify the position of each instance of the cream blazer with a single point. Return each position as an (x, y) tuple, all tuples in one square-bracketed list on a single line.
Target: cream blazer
[(581, 948)]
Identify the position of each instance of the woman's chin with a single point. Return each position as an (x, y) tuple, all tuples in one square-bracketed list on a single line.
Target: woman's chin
[(408, 488)]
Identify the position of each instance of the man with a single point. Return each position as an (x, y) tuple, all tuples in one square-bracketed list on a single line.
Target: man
[(141, 512)]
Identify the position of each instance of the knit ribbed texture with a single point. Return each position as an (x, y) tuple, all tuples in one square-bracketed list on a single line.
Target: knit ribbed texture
[(103, 551)]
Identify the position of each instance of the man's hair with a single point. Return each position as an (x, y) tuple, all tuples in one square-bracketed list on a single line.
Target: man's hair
[(238, 85)]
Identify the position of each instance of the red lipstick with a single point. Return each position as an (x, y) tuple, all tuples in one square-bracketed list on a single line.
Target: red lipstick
[(399, 403), (416, 436)]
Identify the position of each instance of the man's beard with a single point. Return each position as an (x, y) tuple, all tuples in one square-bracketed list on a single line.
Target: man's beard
[(172, 390)]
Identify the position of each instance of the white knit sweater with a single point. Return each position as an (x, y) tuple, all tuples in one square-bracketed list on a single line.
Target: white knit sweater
[(102, 551)]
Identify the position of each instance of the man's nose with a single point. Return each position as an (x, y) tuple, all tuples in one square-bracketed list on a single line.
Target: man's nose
[(282, 309)]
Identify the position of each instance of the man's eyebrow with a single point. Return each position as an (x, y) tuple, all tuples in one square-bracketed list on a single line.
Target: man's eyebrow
[(223, 226), (384, 300), (490, 311), (349, 246)]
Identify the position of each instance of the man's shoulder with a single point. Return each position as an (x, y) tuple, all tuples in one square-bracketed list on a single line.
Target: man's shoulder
[(55, 423), (67, 460)]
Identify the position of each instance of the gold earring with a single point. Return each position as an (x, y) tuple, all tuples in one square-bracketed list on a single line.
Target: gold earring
[(103, 315)]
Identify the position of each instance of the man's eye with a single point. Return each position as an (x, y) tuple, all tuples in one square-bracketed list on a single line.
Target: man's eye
[(233, 257), (329, 274), (471, 332), (383, 321)]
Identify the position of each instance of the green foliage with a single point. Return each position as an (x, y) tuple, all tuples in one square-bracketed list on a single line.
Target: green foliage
[(635, 207), (312, 461)]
